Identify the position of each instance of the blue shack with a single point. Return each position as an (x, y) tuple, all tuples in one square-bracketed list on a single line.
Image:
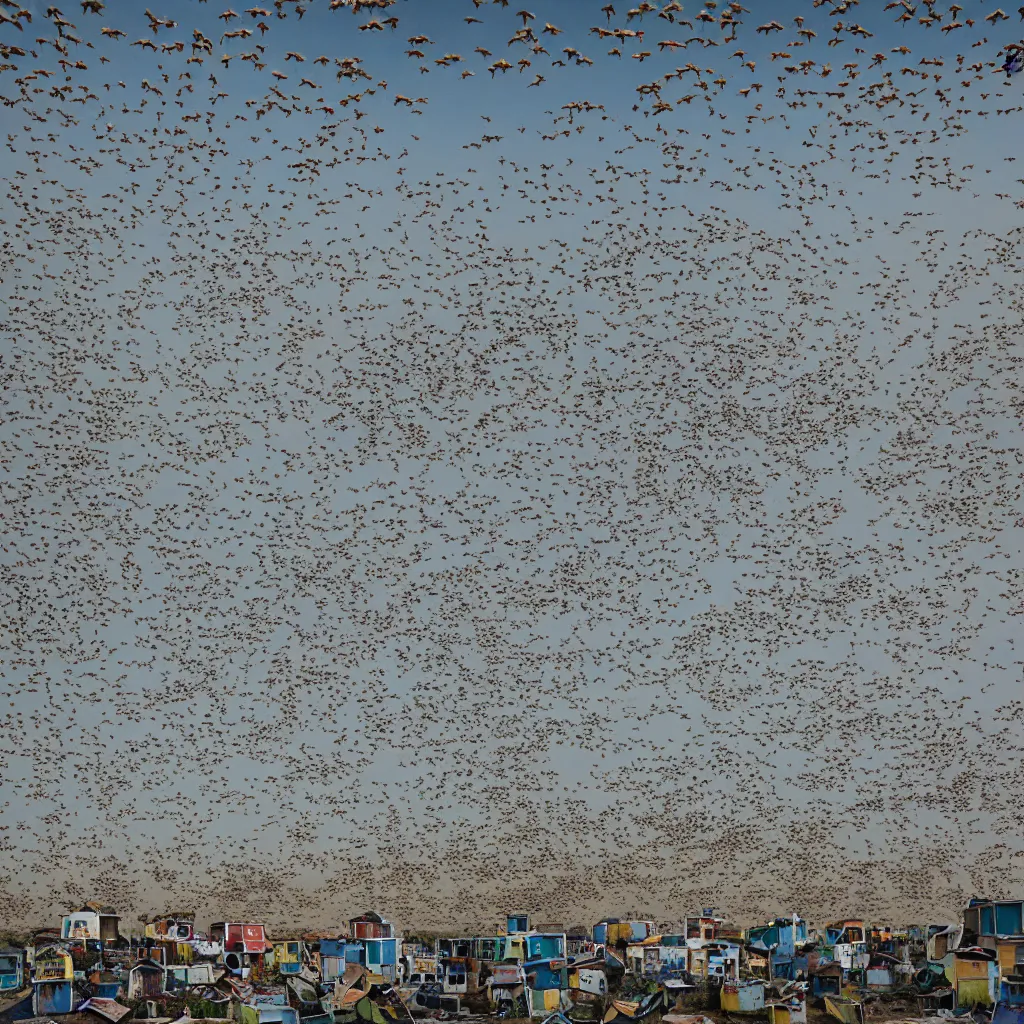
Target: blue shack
[(545, 946), (332, 959), (382, 958), (547, 982), (783, 940), (517, 924), (12, 969)]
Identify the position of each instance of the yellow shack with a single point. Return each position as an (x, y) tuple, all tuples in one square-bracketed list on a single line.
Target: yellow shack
[(975, 977)]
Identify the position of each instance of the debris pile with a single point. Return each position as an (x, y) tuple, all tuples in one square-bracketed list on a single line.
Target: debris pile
[(618, 972)]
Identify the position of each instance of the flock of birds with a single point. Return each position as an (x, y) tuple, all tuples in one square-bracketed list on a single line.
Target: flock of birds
[(457, 458)]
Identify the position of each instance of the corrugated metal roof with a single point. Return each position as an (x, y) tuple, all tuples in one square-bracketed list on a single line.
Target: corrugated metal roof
[(109, 1009)]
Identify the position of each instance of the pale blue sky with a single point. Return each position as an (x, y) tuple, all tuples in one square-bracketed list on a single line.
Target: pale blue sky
[(742, 633)]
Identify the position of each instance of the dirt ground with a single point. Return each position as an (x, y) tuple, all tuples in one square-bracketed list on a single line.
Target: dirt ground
[(16, 1006)]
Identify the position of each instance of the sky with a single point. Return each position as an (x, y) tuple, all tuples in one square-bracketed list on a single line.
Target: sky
[(426, 495)]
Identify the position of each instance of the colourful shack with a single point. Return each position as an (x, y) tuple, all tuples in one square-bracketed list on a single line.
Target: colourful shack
[(743, 997), (53, 981), (998, 926), (332, 959), (782, 941), (146, 979), (615, 933), (244, 946), (12, 970), (507, 991), (290, 955), (547, 982), (588, 988), (370, 926), (846, 943), (169, 938), (517, 923), (381, 959), (705, 927), (92, 921), (975, 977)]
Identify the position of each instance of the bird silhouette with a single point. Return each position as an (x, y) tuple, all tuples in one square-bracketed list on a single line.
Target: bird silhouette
[(618, 507)]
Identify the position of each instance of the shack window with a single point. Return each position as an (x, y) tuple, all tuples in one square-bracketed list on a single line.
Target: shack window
[(988, 924), (293, 948), (1008, 920), (971, 920)]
